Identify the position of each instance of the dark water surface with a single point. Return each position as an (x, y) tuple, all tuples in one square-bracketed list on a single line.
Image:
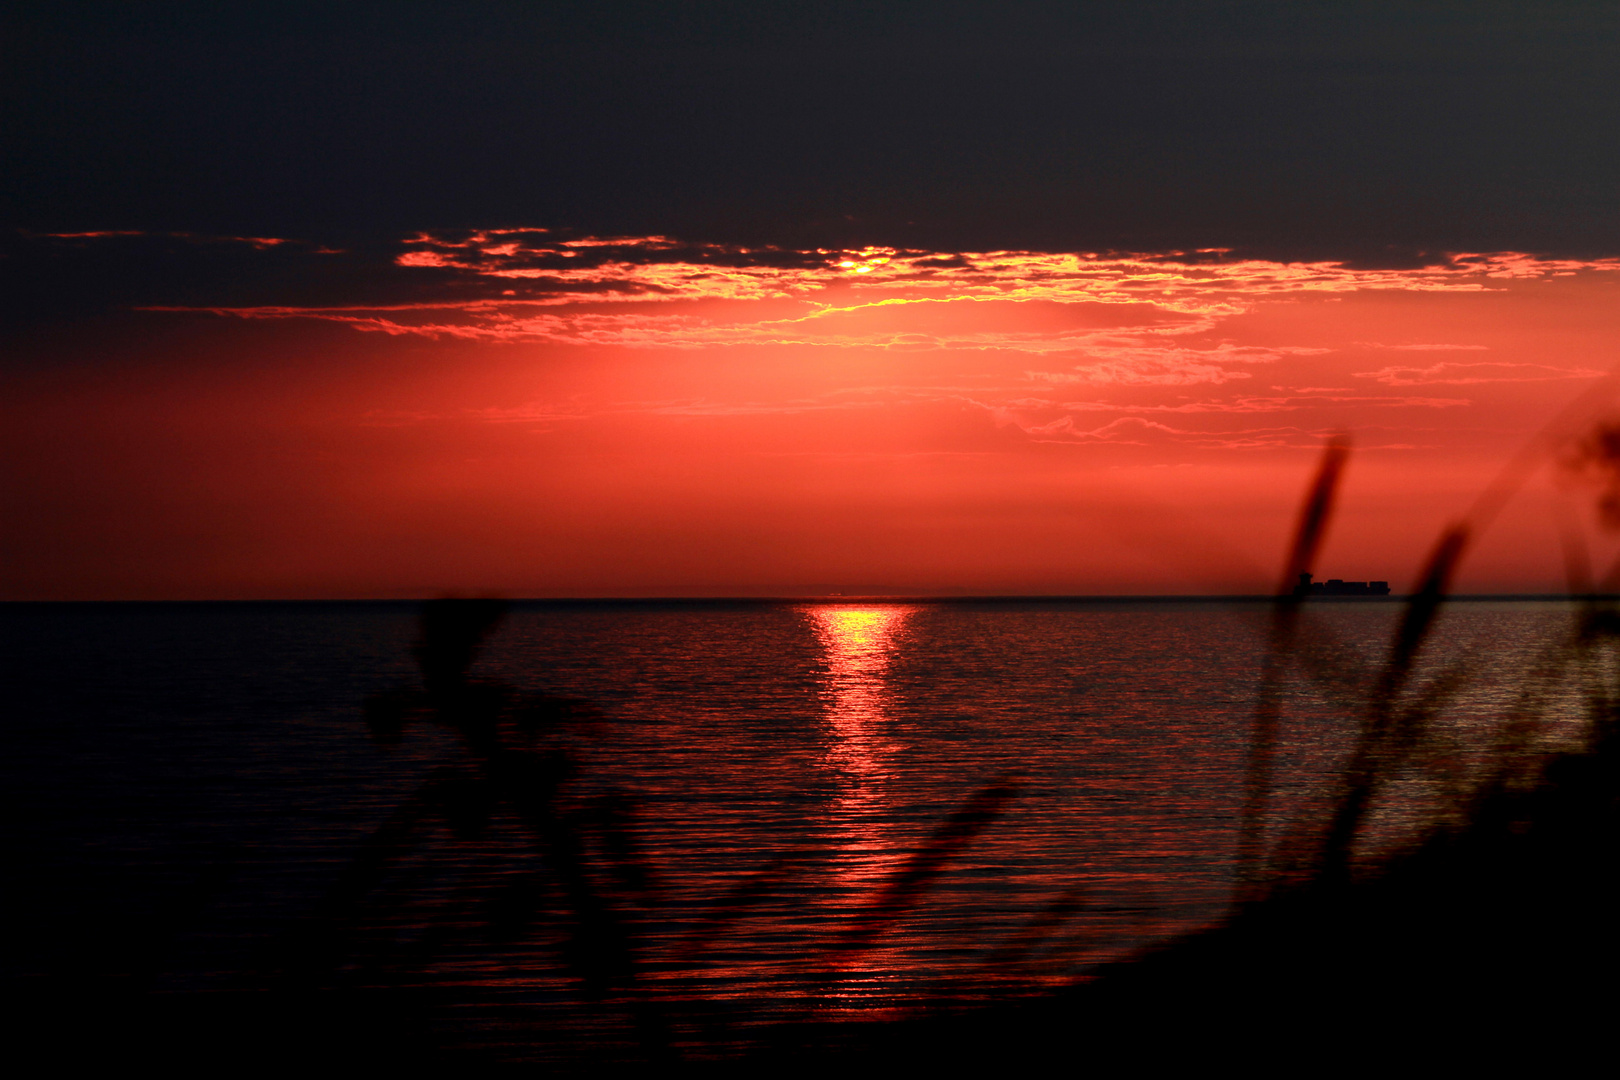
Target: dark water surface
[(185, 783)]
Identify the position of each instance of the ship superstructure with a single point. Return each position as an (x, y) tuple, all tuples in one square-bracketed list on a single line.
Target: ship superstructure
[(1337, 587)]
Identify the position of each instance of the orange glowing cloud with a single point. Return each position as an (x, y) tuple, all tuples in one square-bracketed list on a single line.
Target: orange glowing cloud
[(1122, 323), (1124, 320)]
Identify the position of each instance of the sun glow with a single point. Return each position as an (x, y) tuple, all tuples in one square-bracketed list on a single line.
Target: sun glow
[(858, 644)]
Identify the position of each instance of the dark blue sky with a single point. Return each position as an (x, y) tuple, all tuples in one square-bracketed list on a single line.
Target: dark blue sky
[(1368, 130)]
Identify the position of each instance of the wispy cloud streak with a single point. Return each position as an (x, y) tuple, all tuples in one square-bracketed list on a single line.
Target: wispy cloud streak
[(1454, 374)]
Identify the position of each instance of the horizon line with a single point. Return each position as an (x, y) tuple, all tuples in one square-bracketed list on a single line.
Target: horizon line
[(856, 598)]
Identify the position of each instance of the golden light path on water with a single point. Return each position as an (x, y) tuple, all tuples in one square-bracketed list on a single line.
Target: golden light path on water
[(858, 644)]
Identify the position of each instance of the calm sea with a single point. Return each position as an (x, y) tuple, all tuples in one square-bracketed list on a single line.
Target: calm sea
[(187, 786)]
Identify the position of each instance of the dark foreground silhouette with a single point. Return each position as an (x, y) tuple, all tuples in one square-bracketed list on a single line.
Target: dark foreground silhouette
[(1493, 943)]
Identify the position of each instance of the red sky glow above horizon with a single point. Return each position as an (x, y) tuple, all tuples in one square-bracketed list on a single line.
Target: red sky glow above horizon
[(530, 415)]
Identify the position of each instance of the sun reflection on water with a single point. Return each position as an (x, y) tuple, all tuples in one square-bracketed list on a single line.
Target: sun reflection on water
[(858, 643)]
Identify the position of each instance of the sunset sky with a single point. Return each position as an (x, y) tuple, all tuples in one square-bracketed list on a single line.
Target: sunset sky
[(714, 300)]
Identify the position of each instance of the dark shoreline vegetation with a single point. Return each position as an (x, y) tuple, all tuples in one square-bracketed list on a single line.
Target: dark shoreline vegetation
[(1490, 941), (1492, 938)]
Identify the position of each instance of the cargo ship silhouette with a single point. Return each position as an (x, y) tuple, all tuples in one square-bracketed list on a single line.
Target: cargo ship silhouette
[(1336, 587)]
